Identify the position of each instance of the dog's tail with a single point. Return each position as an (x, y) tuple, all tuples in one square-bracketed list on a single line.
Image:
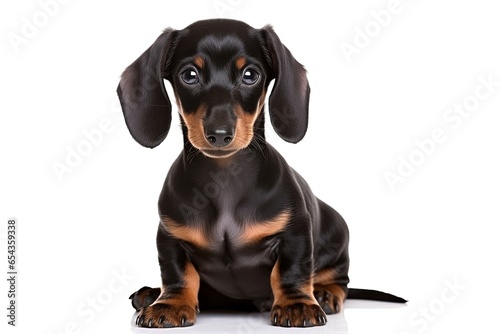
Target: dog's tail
[(373, 295)]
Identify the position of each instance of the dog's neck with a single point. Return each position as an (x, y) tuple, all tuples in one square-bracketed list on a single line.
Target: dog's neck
[(249, 157)]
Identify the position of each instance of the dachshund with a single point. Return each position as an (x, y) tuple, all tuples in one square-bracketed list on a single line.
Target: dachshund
[(239, 228)]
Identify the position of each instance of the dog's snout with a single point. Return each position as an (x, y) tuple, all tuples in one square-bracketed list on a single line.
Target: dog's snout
[(219, 125), (219, 136)]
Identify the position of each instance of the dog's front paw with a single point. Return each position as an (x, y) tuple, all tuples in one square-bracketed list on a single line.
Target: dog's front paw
[(166, 315), (298, 315)]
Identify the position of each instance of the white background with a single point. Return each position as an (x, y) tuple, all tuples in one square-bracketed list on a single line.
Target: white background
[(435, 229)]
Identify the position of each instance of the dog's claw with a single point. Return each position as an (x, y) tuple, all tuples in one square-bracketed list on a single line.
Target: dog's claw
[(140, 320), (298, 315), (336, 305)]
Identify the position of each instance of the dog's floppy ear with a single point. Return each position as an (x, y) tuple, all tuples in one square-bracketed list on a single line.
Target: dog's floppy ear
[(144, 100), (289, 99)]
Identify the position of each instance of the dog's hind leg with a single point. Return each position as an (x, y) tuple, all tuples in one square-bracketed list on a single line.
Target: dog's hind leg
[(330, 297), (145, 296), (332, 260)]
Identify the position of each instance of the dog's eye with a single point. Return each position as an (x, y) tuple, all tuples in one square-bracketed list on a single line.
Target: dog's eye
[(189, 76), (250, 76)]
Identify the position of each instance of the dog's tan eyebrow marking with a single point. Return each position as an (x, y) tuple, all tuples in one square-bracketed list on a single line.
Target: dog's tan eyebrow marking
[(240, 62), (199, 61)]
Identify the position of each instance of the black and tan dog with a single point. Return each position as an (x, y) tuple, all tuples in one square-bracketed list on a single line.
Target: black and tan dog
[(239, 227)]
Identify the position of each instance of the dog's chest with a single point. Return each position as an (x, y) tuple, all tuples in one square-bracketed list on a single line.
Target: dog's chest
[(231, 238), (239, 257), (227, 233), (227, 224), (230, 233), (231, 246)]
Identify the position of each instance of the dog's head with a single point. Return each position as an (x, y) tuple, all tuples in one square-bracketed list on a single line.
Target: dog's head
[(220, 70)]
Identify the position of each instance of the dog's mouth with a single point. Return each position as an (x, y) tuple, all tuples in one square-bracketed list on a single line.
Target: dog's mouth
[(218, 153)]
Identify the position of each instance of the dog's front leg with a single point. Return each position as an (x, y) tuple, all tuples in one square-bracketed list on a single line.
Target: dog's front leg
[(177, 304), (291, 278)]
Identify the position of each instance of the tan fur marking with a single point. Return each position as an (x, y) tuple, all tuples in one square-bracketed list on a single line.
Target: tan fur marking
[(188, 295), (192, 287), (336, 290), (194, 123), (199, 61), (193, 235), (176, 309), (337, 294), (240, 62), (280, 297), (254, 232), (245, 123), (325, 276), (278, 293)]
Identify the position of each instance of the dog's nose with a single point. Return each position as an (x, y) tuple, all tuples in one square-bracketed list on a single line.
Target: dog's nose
[(219, 136)]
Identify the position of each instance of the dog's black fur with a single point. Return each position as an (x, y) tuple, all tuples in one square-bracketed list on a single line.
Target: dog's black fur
[(239, 227)]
